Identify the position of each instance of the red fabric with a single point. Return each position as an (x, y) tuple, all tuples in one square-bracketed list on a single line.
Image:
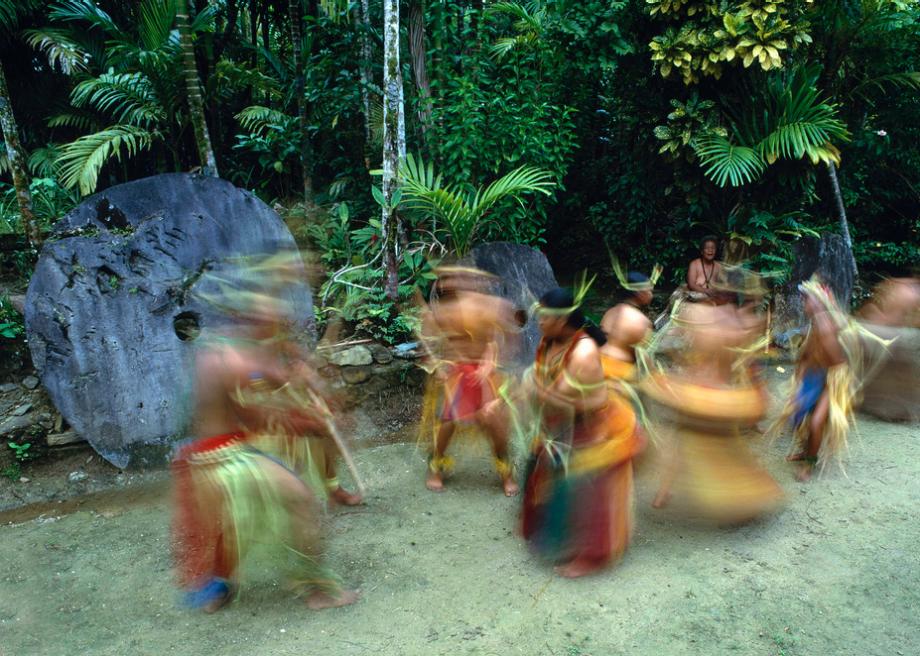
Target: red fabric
[(466, 392), (200, 542)]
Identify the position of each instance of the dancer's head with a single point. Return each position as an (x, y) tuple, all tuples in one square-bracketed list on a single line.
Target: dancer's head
[(641, 288), (559, 317)]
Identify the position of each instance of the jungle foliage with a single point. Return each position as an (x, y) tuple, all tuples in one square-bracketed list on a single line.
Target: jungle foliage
[(575, 125)]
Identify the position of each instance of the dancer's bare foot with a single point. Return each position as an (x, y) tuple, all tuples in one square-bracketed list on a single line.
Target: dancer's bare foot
[(320, 600), (661, 499), (434, 482), (510, 487), (797, 457), (217, 603), (803, 472), (345, 498), (576, 569)]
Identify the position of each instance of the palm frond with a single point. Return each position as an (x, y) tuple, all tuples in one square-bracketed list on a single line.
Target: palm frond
[(81, 160), (204, 19), (82, 121), (233, 77), (11, 10), (83, 11), (908, 80), (525, 179), (464, 212), (59, 48), (129, 97), (528, 15), (528, 25), (155, 22), (503, 46), (257, 118), (43, 161), (798, 123), (724, 161)]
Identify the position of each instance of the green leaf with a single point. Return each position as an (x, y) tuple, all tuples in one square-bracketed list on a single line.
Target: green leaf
[(378, 196)]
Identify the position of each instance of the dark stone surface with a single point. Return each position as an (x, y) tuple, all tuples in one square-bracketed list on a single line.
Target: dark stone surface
[(829, 258), (525, 275), (108, 288)]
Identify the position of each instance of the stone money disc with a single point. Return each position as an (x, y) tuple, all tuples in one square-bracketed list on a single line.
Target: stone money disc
[(112, 315)]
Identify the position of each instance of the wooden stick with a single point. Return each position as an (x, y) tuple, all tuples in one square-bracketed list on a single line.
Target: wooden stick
[(326, 347)]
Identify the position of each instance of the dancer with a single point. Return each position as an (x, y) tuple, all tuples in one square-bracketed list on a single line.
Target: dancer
[(709, 399), (828, 381), (578, 492), (625, 326), (465, 329), (228, 492)]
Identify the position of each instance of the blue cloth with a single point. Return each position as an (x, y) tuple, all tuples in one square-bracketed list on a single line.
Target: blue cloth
[(806, 397), (213, 590)]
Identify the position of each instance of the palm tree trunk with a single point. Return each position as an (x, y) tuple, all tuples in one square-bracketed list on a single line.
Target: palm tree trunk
[(842, 216), (193, 91), (17, 165), (394, 142), (419, 56), (295, 9)]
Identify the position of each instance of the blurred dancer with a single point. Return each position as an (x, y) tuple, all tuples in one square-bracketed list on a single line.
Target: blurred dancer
[(465, 329), (318, 452), (228, 492), (892, 392), (895, 303), (827, 381), (578, 497), (710, 399), (625, 326)]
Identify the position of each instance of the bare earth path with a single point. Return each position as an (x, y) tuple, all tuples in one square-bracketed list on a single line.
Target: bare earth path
[(836, 572)]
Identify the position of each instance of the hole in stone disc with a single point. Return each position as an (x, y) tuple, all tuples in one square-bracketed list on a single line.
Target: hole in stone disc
[(187, 326)]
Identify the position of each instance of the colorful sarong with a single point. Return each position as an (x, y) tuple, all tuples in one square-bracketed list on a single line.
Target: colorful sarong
[(578, 493), (228, 496)]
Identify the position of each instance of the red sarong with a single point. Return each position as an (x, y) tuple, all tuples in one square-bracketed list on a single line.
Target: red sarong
[(202, 545)]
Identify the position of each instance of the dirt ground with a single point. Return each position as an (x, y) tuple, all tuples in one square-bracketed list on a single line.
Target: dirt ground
[(836, 572)]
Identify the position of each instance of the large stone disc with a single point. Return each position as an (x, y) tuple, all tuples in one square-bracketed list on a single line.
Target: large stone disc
[(524, 276), (113, 298)]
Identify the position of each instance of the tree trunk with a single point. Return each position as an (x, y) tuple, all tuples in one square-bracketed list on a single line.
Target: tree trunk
[(193, 91), (17, 165), (419, 55), (295, 9), (842, 216), (233, 11), (363, 20), (394, 142)]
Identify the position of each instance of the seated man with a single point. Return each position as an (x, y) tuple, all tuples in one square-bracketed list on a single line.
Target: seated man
[(701, 274), (703, 270)]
